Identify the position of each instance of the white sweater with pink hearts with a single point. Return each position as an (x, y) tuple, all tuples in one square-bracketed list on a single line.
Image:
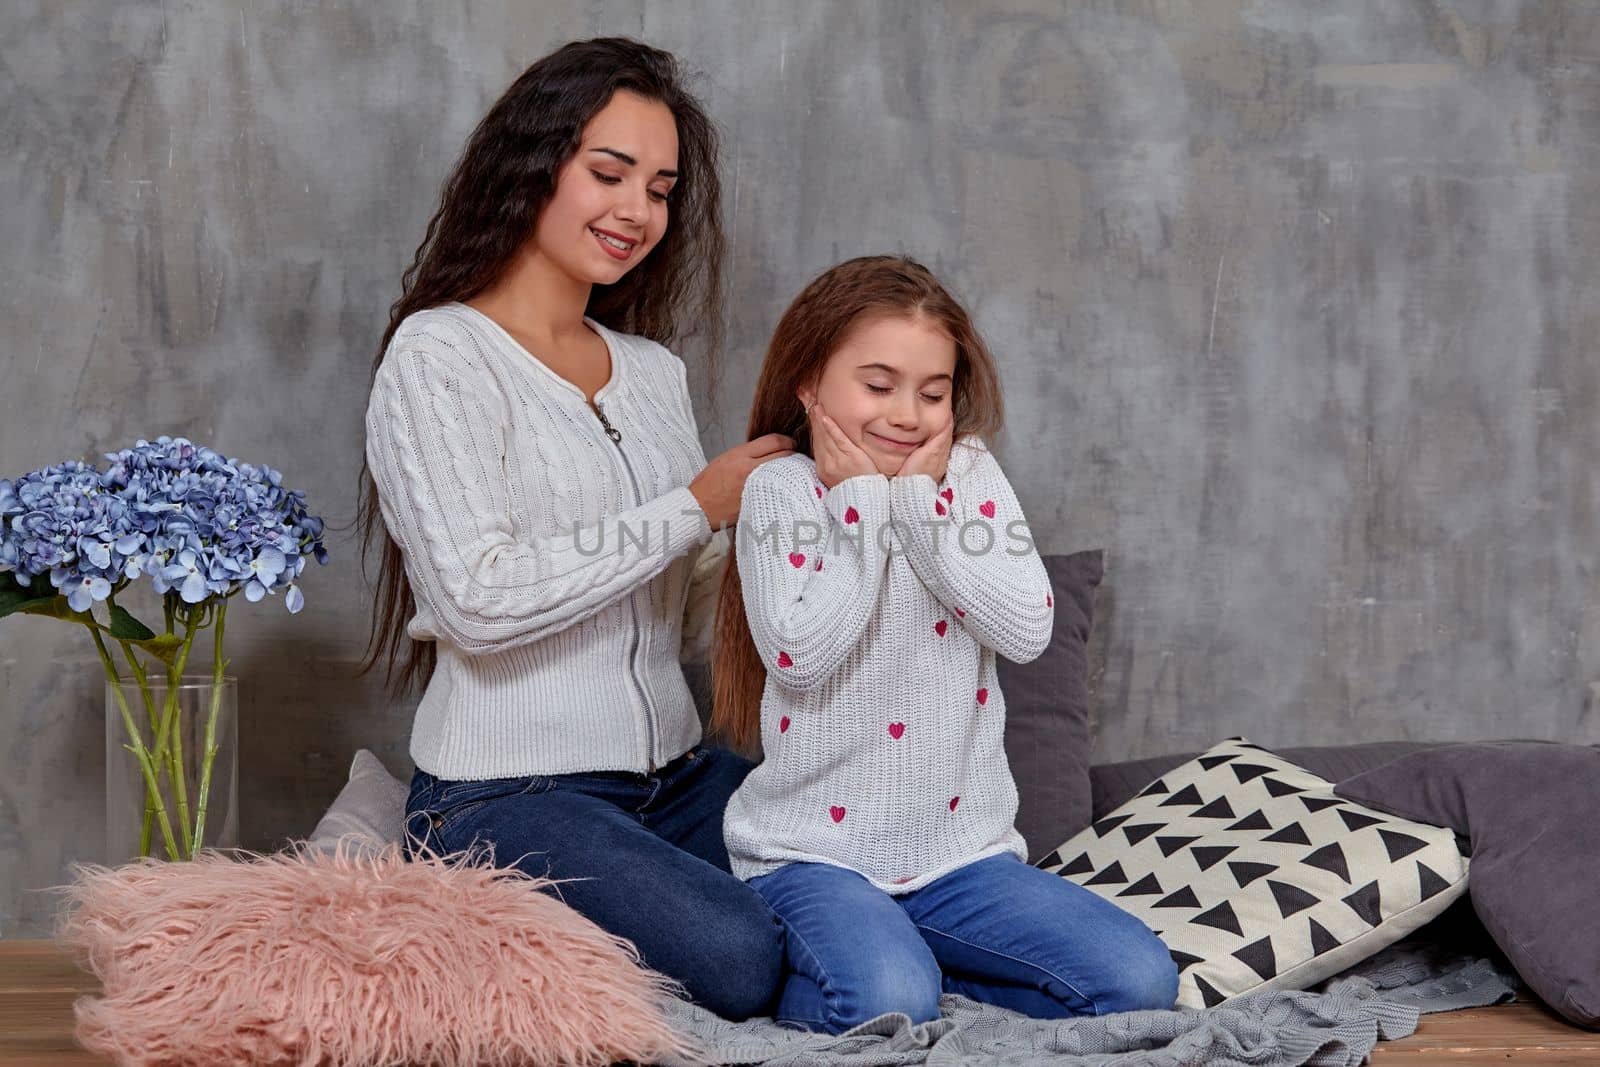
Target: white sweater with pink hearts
[(878, 608)]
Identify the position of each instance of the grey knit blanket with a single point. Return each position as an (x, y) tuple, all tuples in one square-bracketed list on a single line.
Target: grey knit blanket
[(1336, 1025)]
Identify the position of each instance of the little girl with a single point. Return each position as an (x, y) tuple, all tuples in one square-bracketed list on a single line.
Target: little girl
[(880, 569)]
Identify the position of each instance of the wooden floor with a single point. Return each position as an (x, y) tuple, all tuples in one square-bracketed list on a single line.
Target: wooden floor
[(38, 985)]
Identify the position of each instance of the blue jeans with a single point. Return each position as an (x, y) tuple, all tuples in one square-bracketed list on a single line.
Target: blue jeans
[(648, 851), (996, 930)]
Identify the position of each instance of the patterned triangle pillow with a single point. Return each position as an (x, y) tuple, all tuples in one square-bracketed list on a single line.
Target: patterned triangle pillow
[(1257, 877)]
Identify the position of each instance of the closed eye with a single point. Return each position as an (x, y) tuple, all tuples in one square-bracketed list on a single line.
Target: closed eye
[(883, 389)]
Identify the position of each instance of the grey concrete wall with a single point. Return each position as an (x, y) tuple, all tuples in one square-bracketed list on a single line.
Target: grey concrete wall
[(1293, 300)]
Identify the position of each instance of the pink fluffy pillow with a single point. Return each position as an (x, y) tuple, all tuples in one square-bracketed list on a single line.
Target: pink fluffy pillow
[(307, 958)]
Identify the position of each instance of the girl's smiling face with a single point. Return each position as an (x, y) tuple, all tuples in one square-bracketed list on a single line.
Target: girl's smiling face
[(888, 385)]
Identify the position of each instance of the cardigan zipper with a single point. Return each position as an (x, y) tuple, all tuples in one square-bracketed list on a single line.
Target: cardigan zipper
[(611, 431), (633, 607)]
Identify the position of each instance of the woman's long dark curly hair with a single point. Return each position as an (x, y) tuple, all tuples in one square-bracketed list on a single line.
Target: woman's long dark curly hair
[(488, 209)]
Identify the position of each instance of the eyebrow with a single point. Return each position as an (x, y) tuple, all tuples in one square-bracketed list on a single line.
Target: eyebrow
[(895, 373), (630, 161)]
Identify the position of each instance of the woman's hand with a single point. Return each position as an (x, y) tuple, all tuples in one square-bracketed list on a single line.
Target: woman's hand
[(720, 487), (837, 456), (932, 457)]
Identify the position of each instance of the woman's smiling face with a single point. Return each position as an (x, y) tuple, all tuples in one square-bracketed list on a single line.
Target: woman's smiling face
[(609, 208), (888, 385)]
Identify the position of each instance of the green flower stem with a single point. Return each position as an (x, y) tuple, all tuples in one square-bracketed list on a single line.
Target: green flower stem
[(218, 665), (143, 679), (169, 743), (142, 754)]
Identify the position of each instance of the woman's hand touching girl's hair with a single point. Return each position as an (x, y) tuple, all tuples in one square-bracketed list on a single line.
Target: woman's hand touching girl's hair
[(932, 457), (837, 456), (719, 488)]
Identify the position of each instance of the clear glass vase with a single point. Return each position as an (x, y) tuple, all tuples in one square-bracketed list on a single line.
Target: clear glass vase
[(192, 806)]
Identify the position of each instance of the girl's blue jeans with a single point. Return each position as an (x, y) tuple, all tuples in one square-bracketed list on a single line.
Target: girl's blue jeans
[(996, 930)]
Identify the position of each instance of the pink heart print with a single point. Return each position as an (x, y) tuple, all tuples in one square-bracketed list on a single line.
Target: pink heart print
[(818, 488), (949, 494), (797, 560), (838, 813), (1049, 601), (953, 802), (961, 613), (983, 696), (819, 563), (940, 627), (783, 725), (784, 660), (897, 730), (987, 507), (851, 516), (938, 508)]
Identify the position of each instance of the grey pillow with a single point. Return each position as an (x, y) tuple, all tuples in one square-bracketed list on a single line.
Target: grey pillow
[(1527, 808), (1047, 712), (371, 808), (698, 677)]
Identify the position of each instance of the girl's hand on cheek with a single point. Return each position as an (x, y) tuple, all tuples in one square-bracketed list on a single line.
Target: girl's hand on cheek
[(837, 456), (932, 457)]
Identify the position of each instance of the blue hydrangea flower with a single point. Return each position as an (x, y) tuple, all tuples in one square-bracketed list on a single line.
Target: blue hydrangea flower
[(193, 521)]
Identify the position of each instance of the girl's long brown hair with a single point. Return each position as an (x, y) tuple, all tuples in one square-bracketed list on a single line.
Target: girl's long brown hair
[(811, 330), (488, 209)]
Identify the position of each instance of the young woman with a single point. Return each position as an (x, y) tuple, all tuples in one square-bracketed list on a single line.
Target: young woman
[(533, 458)]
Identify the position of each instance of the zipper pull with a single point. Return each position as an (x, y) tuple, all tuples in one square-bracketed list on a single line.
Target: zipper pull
[(611, 431)]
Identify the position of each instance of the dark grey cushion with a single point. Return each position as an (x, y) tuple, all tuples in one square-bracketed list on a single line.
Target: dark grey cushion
[(1047, 712), (1528, 810), (1112, 784), (698, 677)]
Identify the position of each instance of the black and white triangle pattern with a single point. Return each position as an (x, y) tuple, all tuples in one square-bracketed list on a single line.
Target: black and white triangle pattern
[(1258, 877)]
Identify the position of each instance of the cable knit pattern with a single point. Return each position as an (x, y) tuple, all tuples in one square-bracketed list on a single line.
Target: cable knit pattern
[(551, 565), (878, 608)]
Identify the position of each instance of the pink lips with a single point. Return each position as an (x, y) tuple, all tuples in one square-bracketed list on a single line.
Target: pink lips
[(610, 249), (889, 443)]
